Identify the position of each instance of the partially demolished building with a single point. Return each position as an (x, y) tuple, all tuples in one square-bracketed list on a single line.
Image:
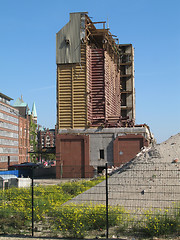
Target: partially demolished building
[(95, 99)]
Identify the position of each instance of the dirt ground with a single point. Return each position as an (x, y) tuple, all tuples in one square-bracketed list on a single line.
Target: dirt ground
[(9, 237), (50, 181), (26, 238)]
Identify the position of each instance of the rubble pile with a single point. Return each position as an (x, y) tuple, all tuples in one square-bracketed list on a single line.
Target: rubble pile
[(150, 180)]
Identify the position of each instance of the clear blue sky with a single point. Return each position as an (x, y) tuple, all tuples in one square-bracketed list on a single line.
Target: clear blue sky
[(28, 53)]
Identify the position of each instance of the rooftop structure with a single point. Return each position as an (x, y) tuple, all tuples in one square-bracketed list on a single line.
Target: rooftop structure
[(4, 98), (24, 109), (19, 103)]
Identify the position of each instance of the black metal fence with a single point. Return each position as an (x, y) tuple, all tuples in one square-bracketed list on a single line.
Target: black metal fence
[(138, 199)]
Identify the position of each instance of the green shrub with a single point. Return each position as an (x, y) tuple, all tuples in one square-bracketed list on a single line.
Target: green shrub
[(11, 221), (73, 188)]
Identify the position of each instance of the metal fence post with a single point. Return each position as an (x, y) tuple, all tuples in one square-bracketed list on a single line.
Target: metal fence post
[(32, 200), (107, 221)]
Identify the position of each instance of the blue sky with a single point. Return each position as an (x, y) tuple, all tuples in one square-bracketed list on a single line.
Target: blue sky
[(28, 53)]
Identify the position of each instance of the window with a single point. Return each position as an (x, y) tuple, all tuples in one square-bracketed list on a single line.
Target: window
[(101, 151)]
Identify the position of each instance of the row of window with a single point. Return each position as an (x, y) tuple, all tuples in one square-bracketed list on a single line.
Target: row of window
[(8, 134), (47, 139), (8, 150), (8, 126), (9, 110), (4, 100), (8, 118), (5, 158), (47, 145), (8, 142), (23, 131)]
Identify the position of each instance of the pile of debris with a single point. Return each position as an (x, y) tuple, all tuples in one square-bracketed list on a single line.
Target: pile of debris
[(150, 180)]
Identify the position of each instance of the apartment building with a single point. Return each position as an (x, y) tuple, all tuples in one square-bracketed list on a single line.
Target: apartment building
[(9, 132)]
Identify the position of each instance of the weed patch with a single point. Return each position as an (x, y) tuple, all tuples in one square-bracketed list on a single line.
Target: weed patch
[(78, 221)]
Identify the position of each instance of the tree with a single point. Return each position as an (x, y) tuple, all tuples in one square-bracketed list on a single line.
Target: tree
[(33, 140), (49, 156)]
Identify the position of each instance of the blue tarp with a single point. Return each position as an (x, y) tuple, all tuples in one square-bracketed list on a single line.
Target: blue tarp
[(11, 172)]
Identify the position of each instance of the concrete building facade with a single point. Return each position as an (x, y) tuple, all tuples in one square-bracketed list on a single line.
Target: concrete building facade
[(9, 132), (14, 132)]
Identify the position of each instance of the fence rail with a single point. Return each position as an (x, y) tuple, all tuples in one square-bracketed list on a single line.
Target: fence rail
[(138, 199)]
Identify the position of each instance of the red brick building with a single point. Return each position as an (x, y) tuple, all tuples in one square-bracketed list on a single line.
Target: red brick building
[(24, 145), (46, 138), (24, 121)]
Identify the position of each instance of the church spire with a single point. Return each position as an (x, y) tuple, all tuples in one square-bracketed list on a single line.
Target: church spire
[(34, 113)]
